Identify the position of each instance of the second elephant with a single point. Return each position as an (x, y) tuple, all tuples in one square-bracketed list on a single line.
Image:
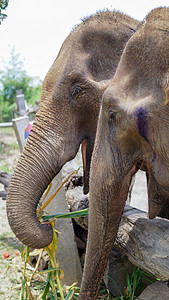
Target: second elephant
[(132, 134)]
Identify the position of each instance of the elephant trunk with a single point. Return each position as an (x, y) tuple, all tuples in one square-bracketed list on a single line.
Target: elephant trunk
[(35, 170), (107, 201)]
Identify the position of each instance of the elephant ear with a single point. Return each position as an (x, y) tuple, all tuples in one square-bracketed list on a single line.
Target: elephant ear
[(104, 48), (104, 40), (103, 51)]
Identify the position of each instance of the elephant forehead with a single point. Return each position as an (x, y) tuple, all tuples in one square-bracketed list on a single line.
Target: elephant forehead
[(130, 105), (122, 101)]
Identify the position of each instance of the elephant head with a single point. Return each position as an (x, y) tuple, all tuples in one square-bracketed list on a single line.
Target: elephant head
[(67, 117), (132, 134)]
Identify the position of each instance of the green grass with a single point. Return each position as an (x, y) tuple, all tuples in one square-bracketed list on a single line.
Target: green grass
[(8, 149), (9, 242), (5, 168), (7, 130), (2, 147), (14, 146), (8, 278), (136, 282)]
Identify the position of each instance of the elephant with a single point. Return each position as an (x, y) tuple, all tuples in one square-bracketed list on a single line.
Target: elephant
[(66, 118), (132, 133)]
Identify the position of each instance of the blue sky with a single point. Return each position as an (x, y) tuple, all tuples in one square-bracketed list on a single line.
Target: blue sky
[(37, 29)]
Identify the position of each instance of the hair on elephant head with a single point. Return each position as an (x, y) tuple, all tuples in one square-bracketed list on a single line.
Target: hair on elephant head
[(67, 117), (132, 134)]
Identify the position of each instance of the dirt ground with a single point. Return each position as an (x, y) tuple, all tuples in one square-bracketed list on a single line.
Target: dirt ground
[(10, 262), (11, 265), (9, 155)]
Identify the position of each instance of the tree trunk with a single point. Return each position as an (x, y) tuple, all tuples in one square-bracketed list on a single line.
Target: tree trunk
[(144, 241)]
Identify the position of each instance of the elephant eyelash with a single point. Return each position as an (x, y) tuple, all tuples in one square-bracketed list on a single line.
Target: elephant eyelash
[(112, 115), (76, 90)]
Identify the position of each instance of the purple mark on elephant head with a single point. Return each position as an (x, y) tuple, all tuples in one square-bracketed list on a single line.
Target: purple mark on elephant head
[(154, 157), (142, 122)]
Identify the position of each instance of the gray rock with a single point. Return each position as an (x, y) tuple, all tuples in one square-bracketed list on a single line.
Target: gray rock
[(158, 290)]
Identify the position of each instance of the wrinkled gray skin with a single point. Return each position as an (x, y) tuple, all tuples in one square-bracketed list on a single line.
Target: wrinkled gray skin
[(67, 117), (132, 134)]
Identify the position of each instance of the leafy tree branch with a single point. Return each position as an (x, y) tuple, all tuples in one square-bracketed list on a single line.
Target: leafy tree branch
[(3, 6), (12, 78)]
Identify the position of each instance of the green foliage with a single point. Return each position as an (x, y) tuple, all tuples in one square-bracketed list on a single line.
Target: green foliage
[(135, 285), (74, 214), (53, 289), (3, 5), (13, 78)]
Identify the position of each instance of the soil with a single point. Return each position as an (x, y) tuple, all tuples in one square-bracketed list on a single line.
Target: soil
[(11, 264)]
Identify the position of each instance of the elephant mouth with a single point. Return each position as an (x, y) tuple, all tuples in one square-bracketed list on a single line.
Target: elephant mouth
[(86, 149), (83, 149), (85, 174)]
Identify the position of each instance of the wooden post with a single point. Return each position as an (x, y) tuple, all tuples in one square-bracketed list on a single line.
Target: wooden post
[(21, 103), (19, 125), (67, 254)]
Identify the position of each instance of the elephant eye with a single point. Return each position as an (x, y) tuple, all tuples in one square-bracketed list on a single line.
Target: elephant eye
[(112, 115), (76, 90)]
